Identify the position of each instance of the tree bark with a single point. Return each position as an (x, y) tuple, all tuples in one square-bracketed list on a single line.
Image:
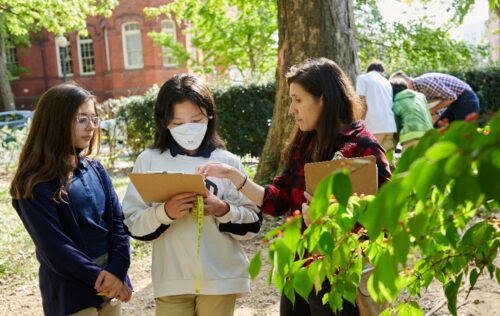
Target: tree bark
[(5, 89), (307, 29)]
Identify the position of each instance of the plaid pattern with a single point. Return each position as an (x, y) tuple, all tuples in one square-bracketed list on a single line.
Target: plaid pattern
[(286, 193), (440, 86)]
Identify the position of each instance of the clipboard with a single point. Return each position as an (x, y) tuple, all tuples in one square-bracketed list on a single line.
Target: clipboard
[(161, 186), (363, 173)]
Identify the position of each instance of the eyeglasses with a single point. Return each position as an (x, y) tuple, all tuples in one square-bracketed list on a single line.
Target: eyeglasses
[(85, 120)]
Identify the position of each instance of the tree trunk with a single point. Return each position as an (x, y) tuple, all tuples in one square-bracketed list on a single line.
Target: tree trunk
[(307, 29), (5, 90)]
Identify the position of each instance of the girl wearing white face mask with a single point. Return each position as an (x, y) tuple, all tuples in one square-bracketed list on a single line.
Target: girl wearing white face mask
[(185, 137)]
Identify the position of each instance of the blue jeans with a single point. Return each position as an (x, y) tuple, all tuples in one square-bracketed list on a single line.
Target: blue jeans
[(464, 105)]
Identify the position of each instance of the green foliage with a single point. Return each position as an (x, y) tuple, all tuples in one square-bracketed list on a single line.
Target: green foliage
[(137, 114), (245, 116), (485, 83), (415, 46), (17, 262), (20, 17), (238, 33), (11, 143), (111, 134), (422, 226)]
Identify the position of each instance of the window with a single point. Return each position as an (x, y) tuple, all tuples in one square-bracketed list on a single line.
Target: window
[(132, 46), (11, 60), (168, 27), (64, 60), (86, 55)]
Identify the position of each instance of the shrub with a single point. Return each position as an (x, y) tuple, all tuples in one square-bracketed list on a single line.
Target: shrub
[(245, 116), (137, 113), (485, 82)]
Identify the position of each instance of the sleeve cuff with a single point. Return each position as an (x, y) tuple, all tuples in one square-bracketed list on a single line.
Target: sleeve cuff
[(161, 215), (226, 218)]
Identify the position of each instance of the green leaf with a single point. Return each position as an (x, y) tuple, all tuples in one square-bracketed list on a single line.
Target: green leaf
[(325, 243), (321, 198), (425, 180), (451, 291), (474, 274), (342, 188), (411, 309), (456, 164), (441, 150), (497, 274), (291, 235), (289, 292), (255, 265), (401, 246), (303, 283), (489, 179)]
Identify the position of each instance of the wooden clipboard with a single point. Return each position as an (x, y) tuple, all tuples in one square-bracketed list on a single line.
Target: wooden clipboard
[(161, 186), (363, 173)]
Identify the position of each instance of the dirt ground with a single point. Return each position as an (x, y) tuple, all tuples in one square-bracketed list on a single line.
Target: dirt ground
[(262, 301)]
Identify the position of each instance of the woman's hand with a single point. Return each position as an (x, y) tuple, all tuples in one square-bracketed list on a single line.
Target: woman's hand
[(179, 205), (221, 170), (108, 284), (305, 209), (214, 205), (125, 294)]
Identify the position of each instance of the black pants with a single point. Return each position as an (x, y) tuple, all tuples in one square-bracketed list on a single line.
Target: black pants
[(314, 307)]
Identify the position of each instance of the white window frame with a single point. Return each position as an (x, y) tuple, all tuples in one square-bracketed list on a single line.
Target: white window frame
[(58, 59), (165, 50), (106, 47), (125, 54), (81, 41)]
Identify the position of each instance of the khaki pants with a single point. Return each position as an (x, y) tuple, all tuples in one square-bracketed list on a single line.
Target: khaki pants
[(106, 310), (386, 140), (364, 302), (409, 144), (196, 305)]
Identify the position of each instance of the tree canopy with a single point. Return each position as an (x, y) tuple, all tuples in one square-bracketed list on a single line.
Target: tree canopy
[(21, 17), (224, 33)]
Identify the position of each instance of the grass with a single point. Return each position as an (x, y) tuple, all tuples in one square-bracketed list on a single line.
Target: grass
[(17, 252)]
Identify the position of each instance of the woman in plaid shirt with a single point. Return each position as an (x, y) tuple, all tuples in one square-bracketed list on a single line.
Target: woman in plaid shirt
[(324, 106)]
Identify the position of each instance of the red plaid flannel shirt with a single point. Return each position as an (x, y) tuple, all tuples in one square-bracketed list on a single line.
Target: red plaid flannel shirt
[(286, 193)]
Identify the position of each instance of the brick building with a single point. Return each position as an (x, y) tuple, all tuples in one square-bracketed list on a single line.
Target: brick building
[(494, 35), (118, 58)]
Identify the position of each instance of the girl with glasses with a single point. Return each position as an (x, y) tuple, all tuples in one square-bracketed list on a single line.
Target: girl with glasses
[(185, 137), (68, 206)]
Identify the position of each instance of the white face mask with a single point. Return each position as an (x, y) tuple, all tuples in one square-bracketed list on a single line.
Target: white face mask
[(190, 135)]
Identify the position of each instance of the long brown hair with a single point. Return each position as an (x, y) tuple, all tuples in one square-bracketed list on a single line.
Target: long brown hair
[(48, 152), (178, 89), (324, 79)]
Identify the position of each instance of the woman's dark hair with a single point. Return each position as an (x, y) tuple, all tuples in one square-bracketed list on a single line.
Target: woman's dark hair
[(178, 89), (48, 152), (324, 79), (398, 84)]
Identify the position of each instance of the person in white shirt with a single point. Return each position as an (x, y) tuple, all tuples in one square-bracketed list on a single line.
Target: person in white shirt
[(185, 137), (375, 92)]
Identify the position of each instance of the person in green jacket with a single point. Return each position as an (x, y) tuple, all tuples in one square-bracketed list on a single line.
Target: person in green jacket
[(413, 117)]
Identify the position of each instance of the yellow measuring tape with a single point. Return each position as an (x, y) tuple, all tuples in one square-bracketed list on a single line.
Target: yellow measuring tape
[(197, 213)]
